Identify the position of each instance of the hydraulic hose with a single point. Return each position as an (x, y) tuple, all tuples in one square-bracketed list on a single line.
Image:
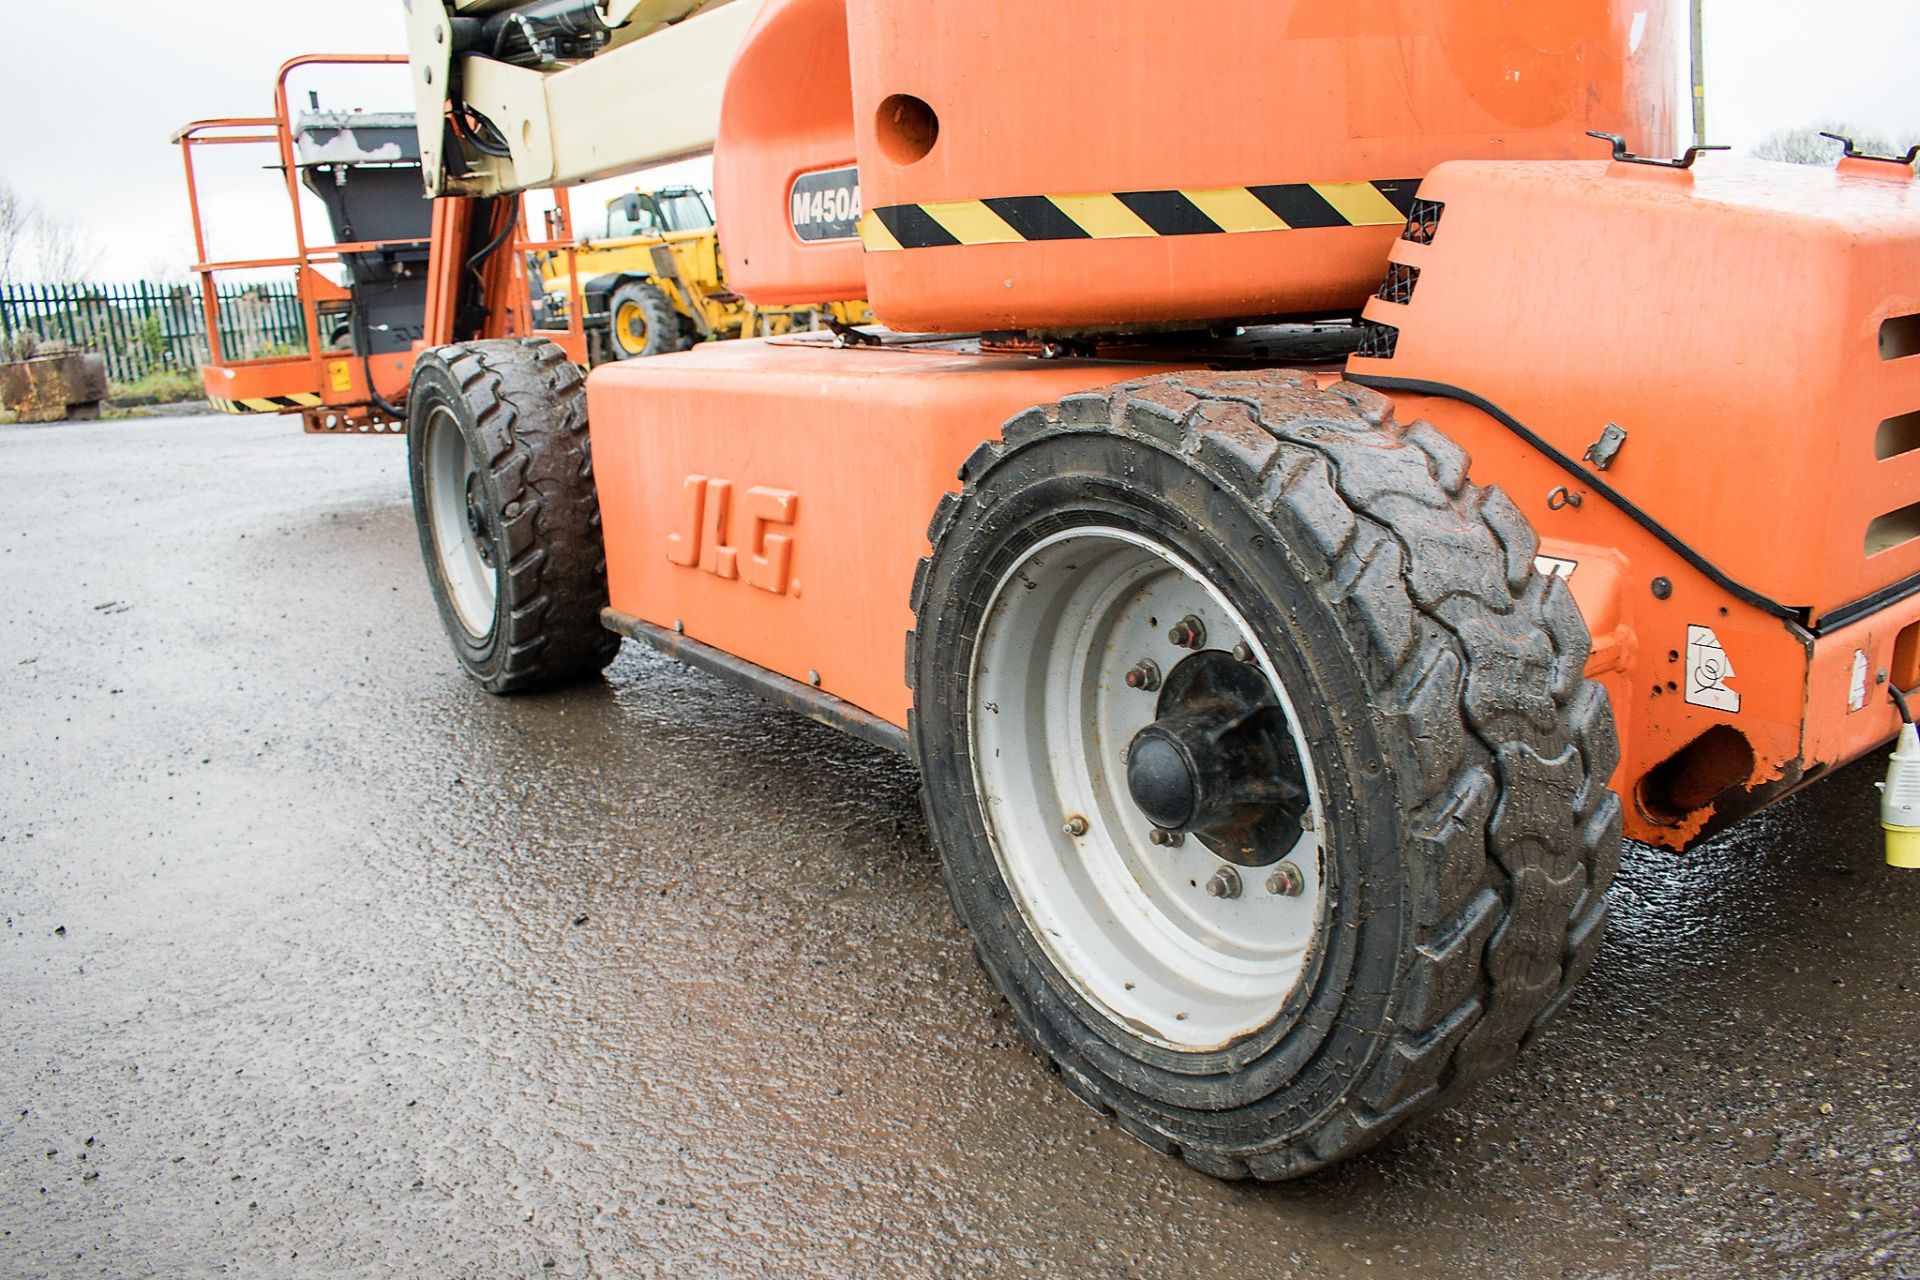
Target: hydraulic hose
[(373, 392), (493, 246)]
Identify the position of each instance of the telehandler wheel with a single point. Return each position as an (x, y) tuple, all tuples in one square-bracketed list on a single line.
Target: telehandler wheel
[(509, 522), (642, 322), (1261, 761)]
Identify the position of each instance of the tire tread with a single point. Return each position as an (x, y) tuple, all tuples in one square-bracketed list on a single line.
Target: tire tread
[(528, 402), (1518, 833)]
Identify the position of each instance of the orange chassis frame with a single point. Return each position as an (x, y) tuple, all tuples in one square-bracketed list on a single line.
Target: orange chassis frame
[(331, 389), (764, 505)]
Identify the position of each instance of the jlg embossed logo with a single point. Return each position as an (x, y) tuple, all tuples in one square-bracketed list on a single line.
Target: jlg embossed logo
[(702, 539)]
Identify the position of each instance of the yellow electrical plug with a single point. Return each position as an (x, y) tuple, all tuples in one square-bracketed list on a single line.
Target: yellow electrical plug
[(1900, 801)]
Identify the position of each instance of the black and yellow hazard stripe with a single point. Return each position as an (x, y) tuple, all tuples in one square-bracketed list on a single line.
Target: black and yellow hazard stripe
[(268, 404), (1125, 215)]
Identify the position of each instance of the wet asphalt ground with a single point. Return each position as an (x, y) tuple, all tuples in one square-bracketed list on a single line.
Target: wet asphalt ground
[(316, 961)]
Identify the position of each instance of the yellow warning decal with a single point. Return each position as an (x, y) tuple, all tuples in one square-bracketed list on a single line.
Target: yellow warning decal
[(1128, 215), (267, 404)]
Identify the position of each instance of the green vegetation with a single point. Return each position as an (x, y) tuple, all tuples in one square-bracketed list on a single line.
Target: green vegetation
[(163, 386)]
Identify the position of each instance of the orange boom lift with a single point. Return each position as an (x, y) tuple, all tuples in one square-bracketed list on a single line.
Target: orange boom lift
[(1314, 490)]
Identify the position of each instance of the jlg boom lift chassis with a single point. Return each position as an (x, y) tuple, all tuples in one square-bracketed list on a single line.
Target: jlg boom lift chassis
[(1279, 720)]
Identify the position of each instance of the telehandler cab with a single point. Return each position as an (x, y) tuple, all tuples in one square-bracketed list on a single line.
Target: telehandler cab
[(1279, 716)]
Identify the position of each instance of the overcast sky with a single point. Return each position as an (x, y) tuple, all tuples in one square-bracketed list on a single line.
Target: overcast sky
[(89, 114)]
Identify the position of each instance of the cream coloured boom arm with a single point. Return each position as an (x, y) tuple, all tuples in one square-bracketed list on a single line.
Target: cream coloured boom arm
[(651, 94)]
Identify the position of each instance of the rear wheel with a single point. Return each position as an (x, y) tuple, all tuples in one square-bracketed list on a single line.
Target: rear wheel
[(509, 522), (643, 322), (1261, 761)]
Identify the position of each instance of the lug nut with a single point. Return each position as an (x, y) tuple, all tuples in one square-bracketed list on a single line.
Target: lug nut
[(1188, 633), (1145, 676), (1225, 883), (1286, 881), (1075, 826), (1166, 838), (1243, 652)]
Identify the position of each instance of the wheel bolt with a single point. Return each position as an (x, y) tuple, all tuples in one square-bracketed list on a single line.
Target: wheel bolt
[(1166, 838), (1286, 881), (1145, 676), (1243, 652), (1075, 826), (1225, 883), (1188, 633)]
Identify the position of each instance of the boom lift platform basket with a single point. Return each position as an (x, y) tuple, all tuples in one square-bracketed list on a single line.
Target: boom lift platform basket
[(361, 330)]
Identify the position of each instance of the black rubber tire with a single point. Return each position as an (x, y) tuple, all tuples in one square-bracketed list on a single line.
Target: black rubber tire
[(1464, 756), (665, 331), (521, 405)]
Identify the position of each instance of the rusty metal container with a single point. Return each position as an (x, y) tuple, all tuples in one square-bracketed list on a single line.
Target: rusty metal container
[(54, 388)]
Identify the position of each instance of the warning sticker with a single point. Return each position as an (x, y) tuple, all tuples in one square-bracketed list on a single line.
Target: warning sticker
[(1708, 670), (1554, 566), (1857, 687)]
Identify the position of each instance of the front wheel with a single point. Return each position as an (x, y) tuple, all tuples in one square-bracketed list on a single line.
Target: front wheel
[(642, 321), (509, 521), (1261, 762)]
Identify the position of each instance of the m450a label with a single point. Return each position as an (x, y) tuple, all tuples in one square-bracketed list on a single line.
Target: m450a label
[(826, 204)]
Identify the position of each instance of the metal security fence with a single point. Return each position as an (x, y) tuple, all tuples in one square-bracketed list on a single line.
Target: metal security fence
[(149, 327)]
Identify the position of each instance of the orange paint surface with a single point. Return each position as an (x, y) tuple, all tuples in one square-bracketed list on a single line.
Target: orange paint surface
[(741, 466), (1730, 321), (1037, 99), (772, 501)]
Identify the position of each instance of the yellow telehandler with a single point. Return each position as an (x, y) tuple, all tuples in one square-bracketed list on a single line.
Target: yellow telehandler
[(654, 281)]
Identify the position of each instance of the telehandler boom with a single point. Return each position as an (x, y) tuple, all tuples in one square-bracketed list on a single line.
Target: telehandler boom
[(1279, 713)]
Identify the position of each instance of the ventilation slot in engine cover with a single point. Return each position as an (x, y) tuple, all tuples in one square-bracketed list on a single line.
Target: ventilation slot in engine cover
[(1423, 221), (1894, 529), (1897, 436), (1900, 337), (1400, 283)]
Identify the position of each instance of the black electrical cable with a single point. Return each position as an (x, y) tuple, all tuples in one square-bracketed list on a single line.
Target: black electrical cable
[(1747, 595), (373, 393), (1900, 701), (493, 246), (464, 128), (470, 310)]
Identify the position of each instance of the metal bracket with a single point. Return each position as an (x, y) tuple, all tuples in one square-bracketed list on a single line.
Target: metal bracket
[(1854, 153), (845, 335), (1624, 156), (1603, 451)]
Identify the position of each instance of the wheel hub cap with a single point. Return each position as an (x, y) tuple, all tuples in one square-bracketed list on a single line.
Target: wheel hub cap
[(1219, 763), (1162, 777)]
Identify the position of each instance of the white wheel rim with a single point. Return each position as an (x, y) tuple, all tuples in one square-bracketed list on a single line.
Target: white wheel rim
[(453, 481), (1127, 922)]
